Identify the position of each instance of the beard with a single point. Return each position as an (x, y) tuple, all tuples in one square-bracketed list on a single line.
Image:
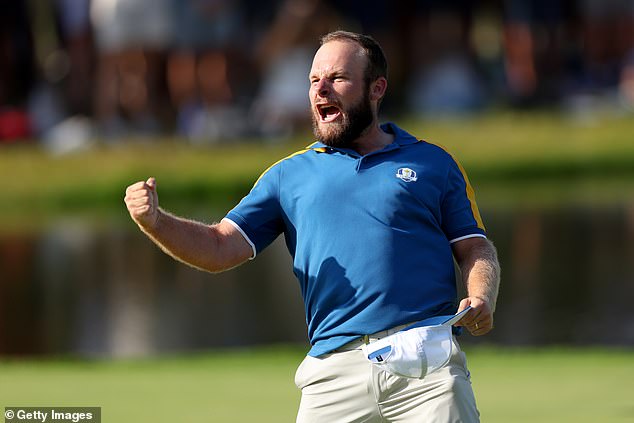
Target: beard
[(354, 121)]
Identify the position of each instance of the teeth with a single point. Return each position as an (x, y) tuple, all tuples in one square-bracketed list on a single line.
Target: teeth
[(328, 113)]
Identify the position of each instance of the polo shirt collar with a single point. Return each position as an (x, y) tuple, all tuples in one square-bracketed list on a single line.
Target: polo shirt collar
[(401, 138)]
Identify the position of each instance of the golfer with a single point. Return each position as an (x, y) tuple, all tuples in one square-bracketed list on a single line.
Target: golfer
[(373, 218)]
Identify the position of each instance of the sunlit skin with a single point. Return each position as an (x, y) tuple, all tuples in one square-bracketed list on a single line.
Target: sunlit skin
[(337, 86)]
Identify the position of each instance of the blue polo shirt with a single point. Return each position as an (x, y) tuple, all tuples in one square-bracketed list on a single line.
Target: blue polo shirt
[(370, 236)]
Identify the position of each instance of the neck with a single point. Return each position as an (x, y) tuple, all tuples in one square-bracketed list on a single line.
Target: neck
[(372, 139)]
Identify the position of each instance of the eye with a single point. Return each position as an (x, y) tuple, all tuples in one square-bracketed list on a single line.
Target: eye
[(340, 76)]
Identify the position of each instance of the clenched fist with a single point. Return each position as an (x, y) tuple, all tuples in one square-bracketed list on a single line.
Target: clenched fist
[(142, 202)]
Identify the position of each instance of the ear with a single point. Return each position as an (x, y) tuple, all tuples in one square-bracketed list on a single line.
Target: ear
[(378, 88)]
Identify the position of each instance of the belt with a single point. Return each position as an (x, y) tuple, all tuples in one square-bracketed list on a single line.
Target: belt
[(366, 339)]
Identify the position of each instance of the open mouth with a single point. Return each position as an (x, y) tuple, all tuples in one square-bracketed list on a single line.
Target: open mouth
[(328, 112)]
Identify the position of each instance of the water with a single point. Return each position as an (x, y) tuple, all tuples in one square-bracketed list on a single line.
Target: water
[(76, 287)]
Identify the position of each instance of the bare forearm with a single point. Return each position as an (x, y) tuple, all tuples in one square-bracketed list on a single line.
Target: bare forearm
[(478, 263), (213, 248), (481, 273), (188, 241)]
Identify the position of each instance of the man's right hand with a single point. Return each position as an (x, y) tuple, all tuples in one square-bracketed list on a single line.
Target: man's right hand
[(142, 202)]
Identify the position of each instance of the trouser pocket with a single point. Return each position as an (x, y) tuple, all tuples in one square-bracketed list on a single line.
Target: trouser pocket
[(412, 353)]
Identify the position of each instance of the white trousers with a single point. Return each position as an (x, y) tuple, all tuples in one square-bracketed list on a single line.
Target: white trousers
[(344, 387)]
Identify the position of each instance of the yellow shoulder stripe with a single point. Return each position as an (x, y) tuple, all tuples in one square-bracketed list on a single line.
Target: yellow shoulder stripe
[(469, 189), (305, 150)]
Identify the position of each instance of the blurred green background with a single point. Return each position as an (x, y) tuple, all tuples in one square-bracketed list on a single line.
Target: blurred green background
[(534, 98), (519, 385)]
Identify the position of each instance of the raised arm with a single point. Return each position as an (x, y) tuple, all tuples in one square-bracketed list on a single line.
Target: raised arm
[(478, 262), (213, 248)]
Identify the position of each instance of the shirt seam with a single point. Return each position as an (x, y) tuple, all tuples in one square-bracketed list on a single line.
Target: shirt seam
[(244, 235), (460, 238)]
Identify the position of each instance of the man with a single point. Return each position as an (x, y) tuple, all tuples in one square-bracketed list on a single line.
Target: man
[(373, 219)]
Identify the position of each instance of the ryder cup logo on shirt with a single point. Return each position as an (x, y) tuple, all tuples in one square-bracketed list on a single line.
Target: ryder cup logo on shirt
[(406, 174)]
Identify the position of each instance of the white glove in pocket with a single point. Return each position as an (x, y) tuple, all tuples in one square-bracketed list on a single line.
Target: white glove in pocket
[(414, 352)]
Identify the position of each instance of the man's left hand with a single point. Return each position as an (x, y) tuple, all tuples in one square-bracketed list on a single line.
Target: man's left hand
[(479, 320)]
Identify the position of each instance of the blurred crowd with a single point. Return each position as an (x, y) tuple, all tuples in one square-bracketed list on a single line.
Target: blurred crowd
[(210, 70)]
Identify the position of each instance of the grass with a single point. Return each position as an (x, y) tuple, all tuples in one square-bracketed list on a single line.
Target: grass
[(512, 385), (554, 385), (545, 154), (535, 140)]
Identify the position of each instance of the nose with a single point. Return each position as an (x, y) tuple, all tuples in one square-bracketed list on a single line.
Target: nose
[(322, 87)]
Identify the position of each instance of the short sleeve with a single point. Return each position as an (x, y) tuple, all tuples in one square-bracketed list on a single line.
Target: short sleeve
[(258, 215), (460, 215)]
